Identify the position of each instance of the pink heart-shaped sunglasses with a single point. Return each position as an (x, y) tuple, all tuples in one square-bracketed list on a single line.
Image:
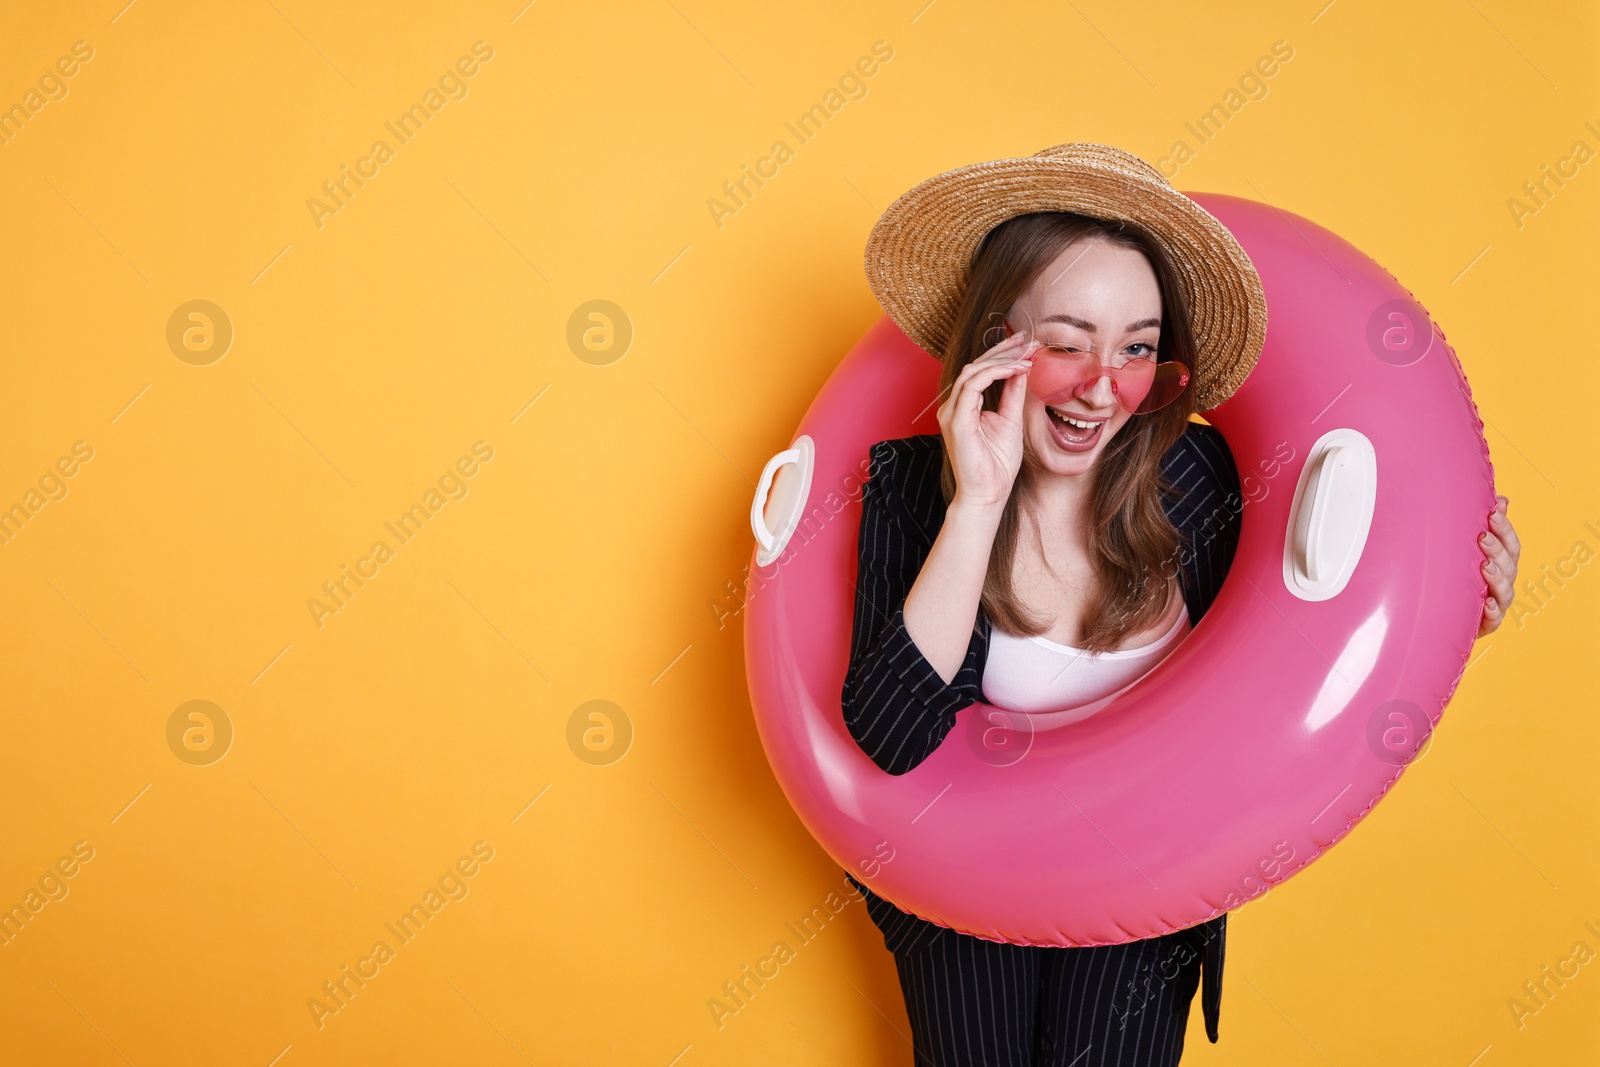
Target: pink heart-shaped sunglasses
[(1060, 374)]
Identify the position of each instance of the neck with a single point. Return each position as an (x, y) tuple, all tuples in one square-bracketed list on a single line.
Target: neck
[(1060, 502)]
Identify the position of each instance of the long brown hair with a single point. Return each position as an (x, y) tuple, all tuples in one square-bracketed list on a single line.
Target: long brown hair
[(1130, 538)]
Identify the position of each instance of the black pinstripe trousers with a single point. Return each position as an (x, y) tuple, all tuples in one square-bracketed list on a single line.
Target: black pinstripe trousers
[(979, 1003)]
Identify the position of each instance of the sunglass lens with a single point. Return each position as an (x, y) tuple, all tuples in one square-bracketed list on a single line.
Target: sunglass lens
[(1056, 378), (1141, 385), (1166, 382)]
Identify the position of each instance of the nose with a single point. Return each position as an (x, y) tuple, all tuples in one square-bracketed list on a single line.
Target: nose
[(1100, 395)]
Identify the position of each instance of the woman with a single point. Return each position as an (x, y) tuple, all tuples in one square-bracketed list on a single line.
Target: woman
[(1054, 541)]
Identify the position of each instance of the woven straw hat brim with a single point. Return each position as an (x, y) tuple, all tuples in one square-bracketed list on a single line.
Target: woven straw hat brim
[(919, 254)]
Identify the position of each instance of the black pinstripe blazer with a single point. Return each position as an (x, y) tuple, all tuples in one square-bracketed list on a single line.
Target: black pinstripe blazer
[(896, 705)]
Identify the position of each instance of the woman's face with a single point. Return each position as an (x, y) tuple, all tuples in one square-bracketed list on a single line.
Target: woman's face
[(1095, 297)]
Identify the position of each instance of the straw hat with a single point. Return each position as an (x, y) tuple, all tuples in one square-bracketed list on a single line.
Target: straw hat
[(919, 256)]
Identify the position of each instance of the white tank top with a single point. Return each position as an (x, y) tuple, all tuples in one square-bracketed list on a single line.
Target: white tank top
[(1058, 683)]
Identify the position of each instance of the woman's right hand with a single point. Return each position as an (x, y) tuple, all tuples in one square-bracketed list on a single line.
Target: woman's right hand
[(985, 447)]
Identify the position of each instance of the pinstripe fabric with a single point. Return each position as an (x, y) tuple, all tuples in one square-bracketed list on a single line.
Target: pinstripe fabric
[(976, 1002), (899, 710)]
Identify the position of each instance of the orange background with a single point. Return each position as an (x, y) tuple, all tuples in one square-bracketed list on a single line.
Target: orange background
[(590, 558)]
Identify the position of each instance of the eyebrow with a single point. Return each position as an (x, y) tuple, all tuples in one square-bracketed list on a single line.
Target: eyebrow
[(1089, 327)]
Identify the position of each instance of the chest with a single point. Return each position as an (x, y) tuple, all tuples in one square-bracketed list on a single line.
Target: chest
[(1049, 674), (1058, 583)]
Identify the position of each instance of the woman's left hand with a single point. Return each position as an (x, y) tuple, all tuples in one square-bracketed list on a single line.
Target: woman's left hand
[(1499, 568)]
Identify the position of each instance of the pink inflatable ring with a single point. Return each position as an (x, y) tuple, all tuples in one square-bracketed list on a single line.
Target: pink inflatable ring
[(1328, 656)]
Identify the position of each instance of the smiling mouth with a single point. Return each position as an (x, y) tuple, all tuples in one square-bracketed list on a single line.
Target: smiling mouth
[(1083, 426)]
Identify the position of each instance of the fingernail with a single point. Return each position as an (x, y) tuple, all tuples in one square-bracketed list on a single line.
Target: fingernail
[(1485, 539), (1492, 604), (1499, 518), (1490, 567)]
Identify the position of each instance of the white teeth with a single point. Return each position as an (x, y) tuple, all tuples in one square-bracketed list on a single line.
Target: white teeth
[(1079, 423)]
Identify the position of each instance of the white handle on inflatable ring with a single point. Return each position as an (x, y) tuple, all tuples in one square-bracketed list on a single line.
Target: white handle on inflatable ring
[(1330, 515), (772, 543), (1318, 546)]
